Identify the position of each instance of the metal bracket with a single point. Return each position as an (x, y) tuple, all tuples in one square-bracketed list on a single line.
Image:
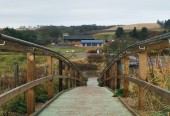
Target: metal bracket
[(2, 44), (31, 48), (142, 48), (127, 52)]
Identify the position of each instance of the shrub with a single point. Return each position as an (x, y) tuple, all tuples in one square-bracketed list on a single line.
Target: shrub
[(119, 92), (96, 58), (86, 66)]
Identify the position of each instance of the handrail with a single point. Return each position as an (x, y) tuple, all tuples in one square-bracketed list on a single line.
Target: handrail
[(154, 39), (29, 44), (113, 81)]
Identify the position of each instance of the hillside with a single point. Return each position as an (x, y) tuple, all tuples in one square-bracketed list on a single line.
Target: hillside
[(150, 26)]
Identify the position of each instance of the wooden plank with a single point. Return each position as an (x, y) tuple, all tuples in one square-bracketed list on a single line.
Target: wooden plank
[(126, 73), (50, 83), (14, 92), (30, 77), (10, 46), (142, 76)]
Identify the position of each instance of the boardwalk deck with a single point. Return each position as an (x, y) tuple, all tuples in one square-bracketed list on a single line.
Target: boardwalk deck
[(86, 101)]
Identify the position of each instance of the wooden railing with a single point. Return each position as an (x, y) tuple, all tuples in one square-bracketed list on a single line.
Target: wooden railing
[(72, 77), (112, 74)]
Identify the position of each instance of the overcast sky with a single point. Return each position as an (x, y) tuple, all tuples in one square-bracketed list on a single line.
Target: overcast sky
[(15, 13)]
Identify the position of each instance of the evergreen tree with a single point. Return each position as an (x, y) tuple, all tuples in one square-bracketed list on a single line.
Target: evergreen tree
[(134, 33), (167, 24), (143, 34), (119, 32)]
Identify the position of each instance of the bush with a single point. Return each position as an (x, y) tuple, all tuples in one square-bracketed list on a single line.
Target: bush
[(17, 105), (96, 58), (41, 93), (119, 92), (86, 67)]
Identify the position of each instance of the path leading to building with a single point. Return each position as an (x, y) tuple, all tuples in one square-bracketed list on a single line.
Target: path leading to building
[(89, 100)]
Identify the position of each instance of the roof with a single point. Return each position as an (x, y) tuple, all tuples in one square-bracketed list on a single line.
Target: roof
[(79, 37), (93, 41)]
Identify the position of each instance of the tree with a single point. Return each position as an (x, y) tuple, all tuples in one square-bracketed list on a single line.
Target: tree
[(119, 32), (167, 24), (134, 33), (143, 34)]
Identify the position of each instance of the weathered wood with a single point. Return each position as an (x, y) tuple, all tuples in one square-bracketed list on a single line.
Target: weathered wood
[(112, 74), (142, 76), (14, 92), (66, 74), (60, 66), (126, 73), (50, 83), (153, 88), (118, 74), (30, 77)]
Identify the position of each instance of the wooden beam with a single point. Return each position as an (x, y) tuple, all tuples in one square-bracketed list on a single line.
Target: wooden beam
[(30, 77), (153, 88), (50, 83), (112, 74), (126, 73), (142, 76), (20, 89)]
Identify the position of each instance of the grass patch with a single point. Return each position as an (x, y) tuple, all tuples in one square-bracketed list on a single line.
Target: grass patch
[(104, 36), (119, 92)]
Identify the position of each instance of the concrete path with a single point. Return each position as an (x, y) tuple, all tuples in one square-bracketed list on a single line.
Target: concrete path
[(86, 101)]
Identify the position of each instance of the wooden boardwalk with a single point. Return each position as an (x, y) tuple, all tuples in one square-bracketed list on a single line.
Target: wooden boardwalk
[(89, 100)]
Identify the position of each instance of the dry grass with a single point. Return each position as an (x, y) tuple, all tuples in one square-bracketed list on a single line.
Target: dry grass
[(150, 26), (158, 73)]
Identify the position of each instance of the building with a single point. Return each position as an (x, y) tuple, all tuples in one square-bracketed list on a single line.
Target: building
[(92, 43), (77, 38)]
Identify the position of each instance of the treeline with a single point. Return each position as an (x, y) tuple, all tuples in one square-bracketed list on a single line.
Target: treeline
[(136, 34), (48, 34), (165, 24)]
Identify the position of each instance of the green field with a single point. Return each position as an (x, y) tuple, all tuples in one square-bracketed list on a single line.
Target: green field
[(104, 36)]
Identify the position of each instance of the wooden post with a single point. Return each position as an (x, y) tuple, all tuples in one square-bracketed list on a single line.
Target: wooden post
[(112, 73), (66, 74), (126, 73), (107, 76), (118, 74), (30, 77), (142, 76), (104, 77), (60, 73), (50, 83)]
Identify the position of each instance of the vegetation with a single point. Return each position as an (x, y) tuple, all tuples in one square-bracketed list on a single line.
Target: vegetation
[(165, 24), (104, 36), (119, 32), (119, 92)]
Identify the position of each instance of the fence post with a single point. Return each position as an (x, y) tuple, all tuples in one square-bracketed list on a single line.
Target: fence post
[(50, 83), (66, 74), (30, 77), (104, 77), (107, 76), (60, 66), (16, 75), (112, 73), (126, 73), (118, 74), (142, 76)]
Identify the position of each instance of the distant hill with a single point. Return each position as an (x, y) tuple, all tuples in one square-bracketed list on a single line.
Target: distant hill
[(150, 26)]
